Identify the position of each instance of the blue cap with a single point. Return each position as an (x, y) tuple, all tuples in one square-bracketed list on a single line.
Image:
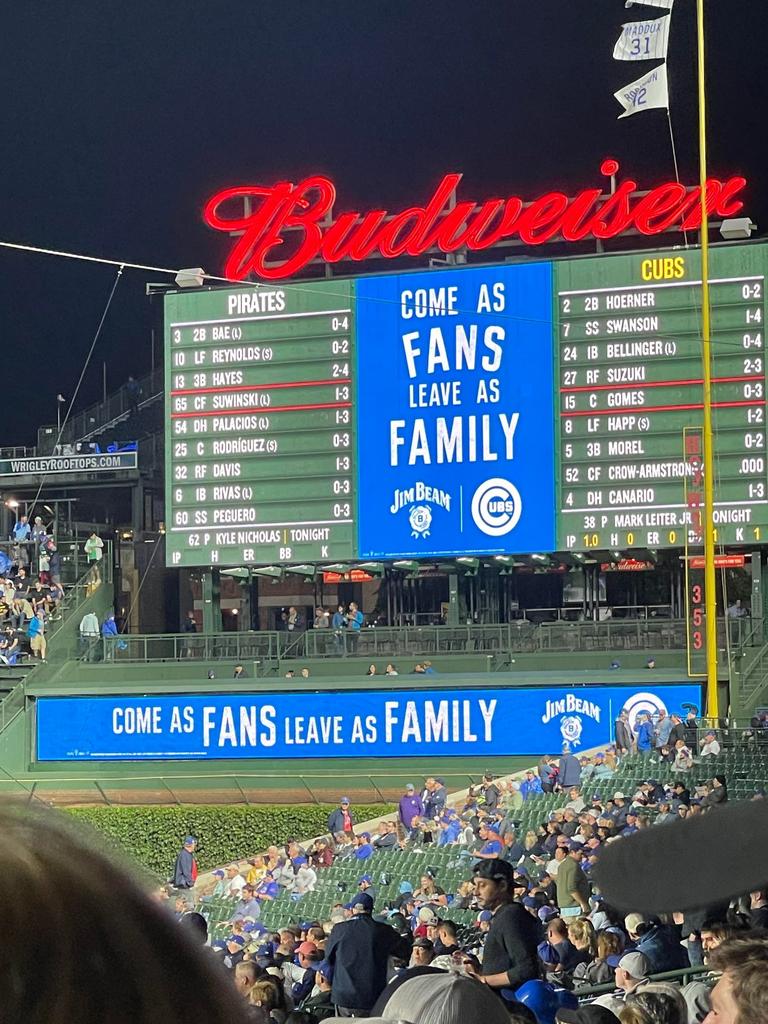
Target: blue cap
[(364, 878), (237, 939), (484, 915), (325, 969), (344, 800), (547, 913), (530, 902), (361, 900), (405, 887), (219, 872), (190, 839), (254, 926)]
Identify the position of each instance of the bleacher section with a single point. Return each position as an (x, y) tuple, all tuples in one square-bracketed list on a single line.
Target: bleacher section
[(744, 767)]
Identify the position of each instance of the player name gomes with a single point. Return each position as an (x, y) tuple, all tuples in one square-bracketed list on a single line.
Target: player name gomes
[(284, 226)]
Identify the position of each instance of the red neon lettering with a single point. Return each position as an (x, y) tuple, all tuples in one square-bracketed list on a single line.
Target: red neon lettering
[(283, 230)]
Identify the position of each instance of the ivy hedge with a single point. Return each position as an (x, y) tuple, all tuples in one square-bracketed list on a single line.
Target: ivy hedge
[(152, 836)]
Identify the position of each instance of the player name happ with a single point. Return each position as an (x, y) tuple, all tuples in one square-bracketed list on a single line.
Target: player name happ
[(421, 492)]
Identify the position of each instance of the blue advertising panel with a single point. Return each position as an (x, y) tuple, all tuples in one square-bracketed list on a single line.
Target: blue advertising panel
[(455, 419), (382, 723)]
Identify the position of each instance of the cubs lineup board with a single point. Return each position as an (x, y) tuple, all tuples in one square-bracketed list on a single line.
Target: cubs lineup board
[(509, 409)]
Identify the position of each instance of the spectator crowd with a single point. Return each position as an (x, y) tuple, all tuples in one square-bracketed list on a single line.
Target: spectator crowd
[(540, 937)]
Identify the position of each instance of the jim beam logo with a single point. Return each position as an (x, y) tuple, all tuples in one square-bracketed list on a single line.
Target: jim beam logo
[(419, 500)]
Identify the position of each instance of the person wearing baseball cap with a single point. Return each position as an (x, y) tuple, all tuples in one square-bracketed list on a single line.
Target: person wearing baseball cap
[(185, 868), (509, 958), (341, 819), (632, 973), (358, 951), (318, 1002)]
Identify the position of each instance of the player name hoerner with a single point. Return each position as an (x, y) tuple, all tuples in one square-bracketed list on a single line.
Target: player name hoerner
[(420, 492)]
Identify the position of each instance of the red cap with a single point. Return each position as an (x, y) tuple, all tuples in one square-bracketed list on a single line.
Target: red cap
[(306, 948)]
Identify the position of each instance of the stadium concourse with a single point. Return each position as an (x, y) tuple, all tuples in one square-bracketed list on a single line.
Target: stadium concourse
[(484, 906)]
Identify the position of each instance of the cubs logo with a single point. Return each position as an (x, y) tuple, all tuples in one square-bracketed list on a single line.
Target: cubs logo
[(420, 519), (570, 729), (496, 507), (639, 703)]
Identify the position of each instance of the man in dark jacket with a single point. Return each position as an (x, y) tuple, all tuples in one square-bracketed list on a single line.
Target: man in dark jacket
[(358, 951), (623, 734), (491, 793), (569, 773), (677, 732), (509, 958), (341, 819), (185, 868)]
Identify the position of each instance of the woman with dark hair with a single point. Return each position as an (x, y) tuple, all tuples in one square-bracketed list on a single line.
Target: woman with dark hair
[(112, 954)]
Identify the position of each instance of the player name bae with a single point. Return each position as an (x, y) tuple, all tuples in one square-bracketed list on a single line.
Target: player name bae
[(301, 210)]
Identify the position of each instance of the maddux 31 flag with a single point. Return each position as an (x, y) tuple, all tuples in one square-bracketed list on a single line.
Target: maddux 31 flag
[(643, 40), (646, 93)]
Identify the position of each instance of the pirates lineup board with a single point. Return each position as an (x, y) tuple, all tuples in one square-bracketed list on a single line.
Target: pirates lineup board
[(509, 409)]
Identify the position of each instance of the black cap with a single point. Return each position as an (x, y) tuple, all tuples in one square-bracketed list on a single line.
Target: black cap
[(499, 871)]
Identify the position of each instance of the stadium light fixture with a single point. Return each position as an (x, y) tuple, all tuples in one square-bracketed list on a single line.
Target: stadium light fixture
[(192, 277), (737, 227)]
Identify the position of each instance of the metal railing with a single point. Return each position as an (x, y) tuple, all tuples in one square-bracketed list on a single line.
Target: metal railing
[(98, 416), (494, 641), (683, 976)]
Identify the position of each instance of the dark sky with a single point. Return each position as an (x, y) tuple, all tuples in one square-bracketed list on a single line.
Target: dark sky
[(118, 120)]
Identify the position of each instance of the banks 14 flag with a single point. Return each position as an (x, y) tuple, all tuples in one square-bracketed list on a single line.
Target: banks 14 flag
[(646, 93), (643, 40)]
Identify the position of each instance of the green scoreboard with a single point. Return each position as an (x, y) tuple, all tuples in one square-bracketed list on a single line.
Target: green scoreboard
[(541, 406), (630, 382), (260, 464)]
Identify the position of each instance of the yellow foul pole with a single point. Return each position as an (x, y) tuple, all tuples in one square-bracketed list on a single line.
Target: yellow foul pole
[(710, 592)]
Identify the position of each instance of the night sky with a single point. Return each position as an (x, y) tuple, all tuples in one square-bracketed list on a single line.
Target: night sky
[(119, 120)]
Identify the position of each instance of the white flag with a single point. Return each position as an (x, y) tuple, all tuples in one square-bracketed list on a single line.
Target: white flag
[(646, 93), (643, 40), (666, 4)]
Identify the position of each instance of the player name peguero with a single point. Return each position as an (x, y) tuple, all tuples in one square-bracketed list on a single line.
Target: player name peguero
[(285, 227)]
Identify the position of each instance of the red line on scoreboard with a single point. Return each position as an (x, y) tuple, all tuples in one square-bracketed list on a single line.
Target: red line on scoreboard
[(264, 387), (659, 408), (649, 384), (266, 409)]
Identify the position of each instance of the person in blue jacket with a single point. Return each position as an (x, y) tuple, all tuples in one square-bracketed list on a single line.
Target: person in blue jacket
[(109, 630), (644, 734)]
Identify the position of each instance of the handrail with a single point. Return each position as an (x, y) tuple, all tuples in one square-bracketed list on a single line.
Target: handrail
[(684, 975), (98, 416), (646, 636)]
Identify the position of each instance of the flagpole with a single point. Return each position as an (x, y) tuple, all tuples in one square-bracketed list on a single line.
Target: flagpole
[(710, 593)]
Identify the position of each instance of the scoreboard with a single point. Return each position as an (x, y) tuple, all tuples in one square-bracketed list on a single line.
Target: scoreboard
[(630, 382), (510, 409), (260, 454)]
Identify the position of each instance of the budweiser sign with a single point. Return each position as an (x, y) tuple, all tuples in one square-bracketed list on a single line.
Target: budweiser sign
[(286, 226)]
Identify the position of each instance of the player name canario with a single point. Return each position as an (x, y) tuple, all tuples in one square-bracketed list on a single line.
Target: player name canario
[(421, 492)]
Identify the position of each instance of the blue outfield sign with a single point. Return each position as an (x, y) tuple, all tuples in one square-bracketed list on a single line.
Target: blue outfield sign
[(382, 723), (455, 412)]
